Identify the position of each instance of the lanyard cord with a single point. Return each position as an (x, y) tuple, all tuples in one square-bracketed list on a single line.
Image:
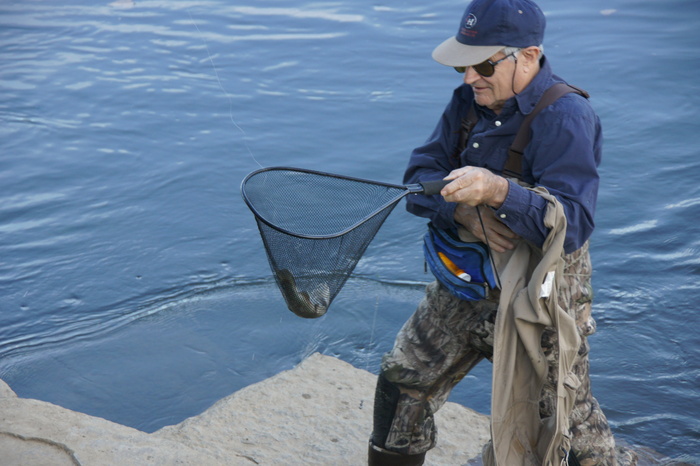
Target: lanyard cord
[(488, 247)]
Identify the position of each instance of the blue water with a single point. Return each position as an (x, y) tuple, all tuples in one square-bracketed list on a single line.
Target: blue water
[(134, 283)]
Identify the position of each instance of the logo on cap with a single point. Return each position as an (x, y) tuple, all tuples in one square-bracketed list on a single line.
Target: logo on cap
[(467, 29), (470, 22)]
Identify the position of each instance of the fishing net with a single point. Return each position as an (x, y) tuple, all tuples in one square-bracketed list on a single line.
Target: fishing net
[(315, 227)]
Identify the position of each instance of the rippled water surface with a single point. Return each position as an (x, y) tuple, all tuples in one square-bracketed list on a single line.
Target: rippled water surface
[(134, 282)]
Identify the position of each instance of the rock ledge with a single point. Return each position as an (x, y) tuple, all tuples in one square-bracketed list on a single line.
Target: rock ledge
[(318, 413)]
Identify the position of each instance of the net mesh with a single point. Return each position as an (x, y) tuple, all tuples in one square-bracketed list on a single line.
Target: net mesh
[(315, 227)]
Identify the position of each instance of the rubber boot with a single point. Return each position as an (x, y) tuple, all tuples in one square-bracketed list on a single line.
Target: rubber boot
[(381, 457)]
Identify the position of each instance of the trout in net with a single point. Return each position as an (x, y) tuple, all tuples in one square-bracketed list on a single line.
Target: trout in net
[(299, 302)]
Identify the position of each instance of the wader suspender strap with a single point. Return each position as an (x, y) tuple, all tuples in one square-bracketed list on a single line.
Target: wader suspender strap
[(468, 124), (514, 163)]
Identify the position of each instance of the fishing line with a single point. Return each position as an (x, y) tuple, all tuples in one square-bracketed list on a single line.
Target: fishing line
[(226, 94), (371, 333)]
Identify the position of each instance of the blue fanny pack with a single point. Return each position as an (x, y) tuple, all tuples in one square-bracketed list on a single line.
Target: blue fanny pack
[(463, 268)]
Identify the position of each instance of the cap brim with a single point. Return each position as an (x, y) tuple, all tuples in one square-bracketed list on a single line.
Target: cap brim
[(454, 53)]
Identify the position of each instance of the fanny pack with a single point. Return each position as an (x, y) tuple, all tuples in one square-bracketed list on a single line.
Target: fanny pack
[(463, 268)]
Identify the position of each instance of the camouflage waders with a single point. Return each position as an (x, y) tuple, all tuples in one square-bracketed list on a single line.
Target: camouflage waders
[(446, 337)]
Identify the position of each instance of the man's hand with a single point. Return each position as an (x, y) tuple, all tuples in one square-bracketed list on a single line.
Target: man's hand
[(499, 235), (475, 186)]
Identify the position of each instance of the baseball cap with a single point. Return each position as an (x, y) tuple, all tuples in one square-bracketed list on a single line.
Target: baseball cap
[(488, 26)]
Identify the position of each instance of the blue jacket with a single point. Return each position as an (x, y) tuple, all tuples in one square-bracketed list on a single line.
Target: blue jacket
[(562, 156)]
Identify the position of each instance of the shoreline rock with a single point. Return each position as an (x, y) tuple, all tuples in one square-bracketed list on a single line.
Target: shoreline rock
[(318, 413)]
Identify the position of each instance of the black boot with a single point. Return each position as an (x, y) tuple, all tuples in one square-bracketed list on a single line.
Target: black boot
[(381, 457)]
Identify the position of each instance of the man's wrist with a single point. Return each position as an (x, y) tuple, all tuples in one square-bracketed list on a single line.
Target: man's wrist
[(502, 186)]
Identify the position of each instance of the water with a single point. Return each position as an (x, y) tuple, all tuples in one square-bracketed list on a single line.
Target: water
[(134, 282)]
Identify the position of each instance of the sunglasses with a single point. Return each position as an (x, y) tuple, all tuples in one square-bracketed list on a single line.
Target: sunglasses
[(485, 68)]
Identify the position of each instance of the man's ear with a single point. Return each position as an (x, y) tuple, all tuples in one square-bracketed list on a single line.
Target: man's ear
[(530, 54), (530, 59)]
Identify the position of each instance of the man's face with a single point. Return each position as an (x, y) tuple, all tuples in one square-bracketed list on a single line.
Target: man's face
[(492, 92)]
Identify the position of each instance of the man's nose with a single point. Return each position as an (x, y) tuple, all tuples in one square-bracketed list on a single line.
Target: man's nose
[(471, 76)]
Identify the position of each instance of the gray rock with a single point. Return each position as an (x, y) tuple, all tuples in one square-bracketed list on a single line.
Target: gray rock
[(319, 413)]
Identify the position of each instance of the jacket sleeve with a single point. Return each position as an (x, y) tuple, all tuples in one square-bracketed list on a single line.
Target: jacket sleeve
[(432, 161), (564, 153)]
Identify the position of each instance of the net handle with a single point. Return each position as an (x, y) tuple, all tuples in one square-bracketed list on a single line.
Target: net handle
[(428, 188)]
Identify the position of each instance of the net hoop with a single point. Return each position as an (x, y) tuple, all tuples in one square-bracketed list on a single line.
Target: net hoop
[(345, 231)]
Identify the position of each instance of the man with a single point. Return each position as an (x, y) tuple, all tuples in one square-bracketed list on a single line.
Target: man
[(498, 47)]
